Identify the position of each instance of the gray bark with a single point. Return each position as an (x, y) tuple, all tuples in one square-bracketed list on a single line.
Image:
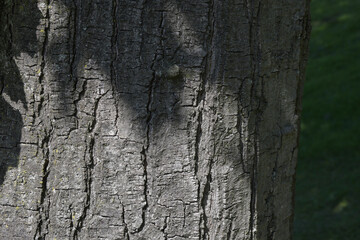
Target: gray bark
[(150, 119)]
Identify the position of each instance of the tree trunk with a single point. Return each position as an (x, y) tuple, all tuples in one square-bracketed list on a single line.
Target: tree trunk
[(150, 119)]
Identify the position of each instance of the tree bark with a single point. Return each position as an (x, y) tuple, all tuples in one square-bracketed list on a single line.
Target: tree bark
[(150, 119)]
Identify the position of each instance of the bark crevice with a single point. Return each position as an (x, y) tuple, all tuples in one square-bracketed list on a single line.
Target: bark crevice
[(42, 211), (164, 227), (206, 77), (42, 60), (145, 149), (204, 202), (89, 168)]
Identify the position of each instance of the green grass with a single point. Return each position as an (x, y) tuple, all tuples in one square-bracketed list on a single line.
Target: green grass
[(328, 173)]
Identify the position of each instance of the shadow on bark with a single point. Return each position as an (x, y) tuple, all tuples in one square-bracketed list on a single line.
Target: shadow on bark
[(149, 62), (160, 74), (13, 42)]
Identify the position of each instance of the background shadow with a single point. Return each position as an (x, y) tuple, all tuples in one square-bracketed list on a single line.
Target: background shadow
[(328, 183)]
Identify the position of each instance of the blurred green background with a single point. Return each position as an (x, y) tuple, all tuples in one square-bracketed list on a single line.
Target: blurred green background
[(328, 173)]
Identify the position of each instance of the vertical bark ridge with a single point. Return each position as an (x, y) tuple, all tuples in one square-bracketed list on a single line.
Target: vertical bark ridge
[(149, 110), (89, 168), (256, 104), (206, 78), (41, 230), (43, 217), (81, 219)]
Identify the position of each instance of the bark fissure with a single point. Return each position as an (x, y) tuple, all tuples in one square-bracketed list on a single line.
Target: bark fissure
[(184, 213), (42, 211), (197, 144), (43, 54), (255, 105), (71, 218), (163, 229), (17, 207), (145, 149), (206, 75), (89, 168), (114, 57), (146, 204), (78, 99), (204, 202)]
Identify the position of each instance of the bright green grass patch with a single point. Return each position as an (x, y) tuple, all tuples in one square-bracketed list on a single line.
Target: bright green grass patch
[(328, 173)]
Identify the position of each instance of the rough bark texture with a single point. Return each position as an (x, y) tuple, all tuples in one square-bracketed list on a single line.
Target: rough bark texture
[(144, 119)]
